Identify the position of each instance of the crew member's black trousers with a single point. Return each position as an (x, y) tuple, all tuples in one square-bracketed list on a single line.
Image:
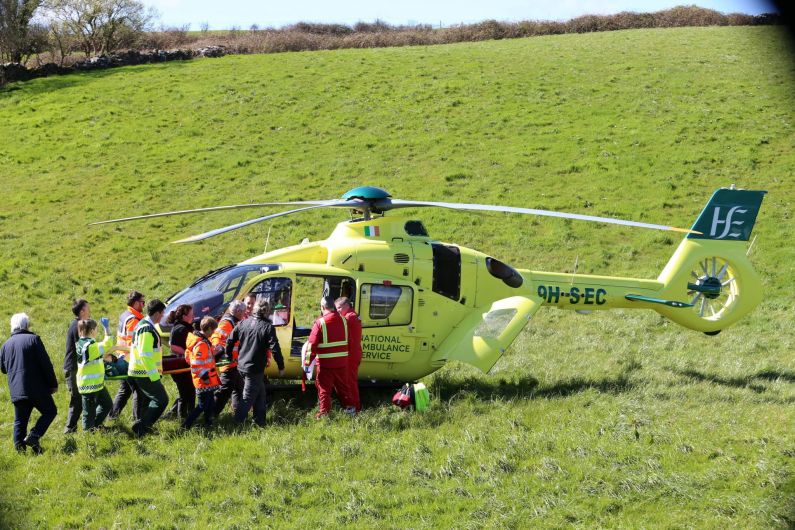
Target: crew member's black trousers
[(75, 401)]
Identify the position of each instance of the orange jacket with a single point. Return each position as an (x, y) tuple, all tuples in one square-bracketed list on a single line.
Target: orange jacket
[(199, 355), (127, 322), (219, 338)]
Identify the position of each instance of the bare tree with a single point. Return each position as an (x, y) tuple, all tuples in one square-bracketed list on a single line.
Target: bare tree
[(62, 42), (16, 38), (102, 26)]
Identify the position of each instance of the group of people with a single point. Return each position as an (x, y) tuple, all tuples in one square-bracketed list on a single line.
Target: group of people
[(227, 359)]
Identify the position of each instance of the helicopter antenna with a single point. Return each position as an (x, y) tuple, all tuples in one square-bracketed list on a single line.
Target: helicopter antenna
[(748, 252), (573, 274), (268, 237)]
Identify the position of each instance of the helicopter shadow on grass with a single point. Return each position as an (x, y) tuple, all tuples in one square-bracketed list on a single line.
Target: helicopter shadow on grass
[(290, 406), (751, 381), (529, 387)]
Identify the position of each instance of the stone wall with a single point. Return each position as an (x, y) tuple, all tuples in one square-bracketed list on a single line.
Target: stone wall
[(12, 72)]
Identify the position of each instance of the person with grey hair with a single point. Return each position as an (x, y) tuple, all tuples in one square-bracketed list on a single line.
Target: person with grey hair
[(231, 380), (31, 382), (257, 338)]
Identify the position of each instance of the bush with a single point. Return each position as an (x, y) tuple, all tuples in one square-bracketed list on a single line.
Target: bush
[(315, 36)]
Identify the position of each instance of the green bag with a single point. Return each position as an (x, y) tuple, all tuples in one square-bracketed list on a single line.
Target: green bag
[(422, 398)]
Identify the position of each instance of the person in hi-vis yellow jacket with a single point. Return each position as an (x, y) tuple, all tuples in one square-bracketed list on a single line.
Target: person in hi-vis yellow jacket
[(146, 364)]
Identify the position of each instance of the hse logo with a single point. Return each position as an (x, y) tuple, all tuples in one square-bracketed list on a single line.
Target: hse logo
[(727, 223)]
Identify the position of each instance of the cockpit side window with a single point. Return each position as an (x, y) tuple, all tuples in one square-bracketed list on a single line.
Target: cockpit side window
[(210, 295), (277, 292)]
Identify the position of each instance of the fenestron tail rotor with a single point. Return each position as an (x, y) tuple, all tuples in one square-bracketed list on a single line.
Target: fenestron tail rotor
[(713, 288), (369, 200)]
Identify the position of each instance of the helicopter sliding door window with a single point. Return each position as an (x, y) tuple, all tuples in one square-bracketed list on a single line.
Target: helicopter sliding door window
[(276, 292), (385, 305), (446, 270), (337, 286)]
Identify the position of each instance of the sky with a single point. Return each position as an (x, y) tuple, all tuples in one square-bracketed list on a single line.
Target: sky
[(277, 13)]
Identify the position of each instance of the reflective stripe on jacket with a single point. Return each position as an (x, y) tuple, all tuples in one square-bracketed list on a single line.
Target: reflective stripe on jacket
[(199, 354), (127, 323), (220, 337), (90, 366), (328, 341), (146, 358), (354, 334)]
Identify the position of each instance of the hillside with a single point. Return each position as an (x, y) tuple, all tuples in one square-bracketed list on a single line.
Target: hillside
[(617, 419)]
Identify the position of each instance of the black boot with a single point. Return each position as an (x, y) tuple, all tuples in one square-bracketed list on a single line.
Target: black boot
[(33, 442)]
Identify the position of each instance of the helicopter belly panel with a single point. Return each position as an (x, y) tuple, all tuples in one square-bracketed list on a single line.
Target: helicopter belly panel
[(483, 336)]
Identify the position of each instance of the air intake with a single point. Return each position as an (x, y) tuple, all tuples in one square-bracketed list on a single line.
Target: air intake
[(402, 258)]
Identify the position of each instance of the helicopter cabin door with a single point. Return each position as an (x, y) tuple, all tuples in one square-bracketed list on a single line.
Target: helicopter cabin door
[(276, 289), (386, 310)]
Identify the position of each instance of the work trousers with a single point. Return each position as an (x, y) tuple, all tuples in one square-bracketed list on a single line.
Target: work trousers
[(154, 400), (186, 401), (75, 401), (231, 385), (353, 381), (253, 396), (206, 406), (22, 411), (332, 380), (126, 390), (96, 407)]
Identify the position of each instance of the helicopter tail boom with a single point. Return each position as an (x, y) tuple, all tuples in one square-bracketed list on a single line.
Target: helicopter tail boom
[(707, 285)]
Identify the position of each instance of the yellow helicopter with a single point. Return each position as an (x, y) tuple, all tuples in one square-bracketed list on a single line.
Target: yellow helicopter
[(424, 303)]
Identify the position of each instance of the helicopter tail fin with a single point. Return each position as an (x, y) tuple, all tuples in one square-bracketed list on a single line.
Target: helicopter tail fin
[(710, 270), (729, 215)]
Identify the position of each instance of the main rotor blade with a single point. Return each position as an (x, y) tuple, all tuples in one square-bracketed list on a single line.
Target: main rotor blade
[(397, 203), (212, 233), (213, 209)]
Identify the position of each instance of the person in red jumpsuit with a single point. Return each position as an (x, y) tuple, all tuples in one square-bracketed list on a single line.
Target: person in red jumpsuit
[(354, 347), (328, 343)]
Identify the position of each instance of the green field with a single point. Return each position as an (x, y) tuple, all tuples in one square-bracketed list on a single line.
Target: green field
[(615, 419)]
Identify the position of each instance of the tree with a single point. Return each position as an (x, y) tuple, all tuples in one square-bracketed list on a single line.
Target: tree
[(102, 26), (16, 40)]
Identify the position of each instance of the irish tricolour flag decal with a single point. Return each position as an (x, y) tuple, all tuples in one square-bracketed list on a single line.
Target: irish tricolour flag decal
[(372, 231)]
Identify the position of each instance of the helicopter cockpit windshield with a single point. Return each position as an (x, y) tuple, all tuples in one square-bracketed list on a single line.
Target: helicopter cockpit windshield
[(211, 294)]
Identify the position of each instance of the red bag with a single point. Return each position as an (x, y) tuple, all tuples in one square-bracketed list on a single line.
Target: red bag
[(402, 397)]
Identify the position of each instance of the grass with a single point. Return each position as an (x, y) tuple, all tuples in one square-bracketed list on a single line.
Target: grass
[(618, 419)]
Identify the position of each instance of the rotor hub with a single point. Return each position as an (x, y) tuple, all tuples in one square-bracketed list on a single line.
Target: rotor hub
[(366, 193), (708, 286)]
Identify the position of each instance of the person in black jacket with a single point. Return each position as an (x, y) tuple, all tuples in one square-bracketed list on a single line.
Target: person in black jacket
[(31, 382), (182, 320), (257, 337), (82, 311)]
